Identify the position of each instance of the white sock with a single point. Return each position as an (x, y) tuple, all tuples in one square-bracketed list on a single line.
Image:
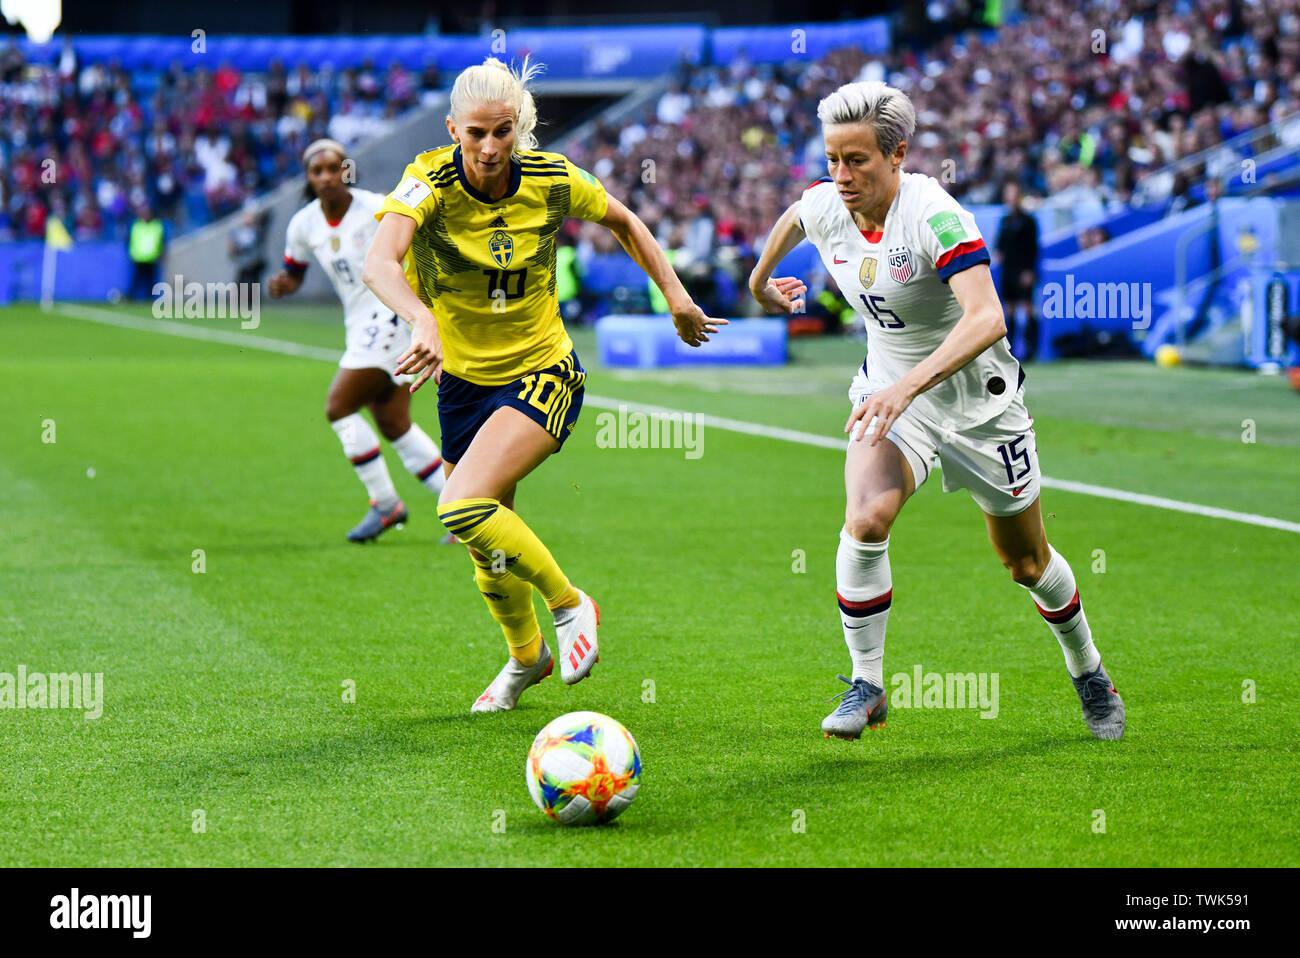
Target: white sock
[(1057, 598), (421, 458), (361, 445), (864, 587)]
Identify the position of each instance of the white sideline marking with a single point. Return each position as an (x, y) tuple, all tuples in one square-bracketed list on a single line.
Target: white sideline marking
[(189, 331), (1160, 502), (718, 422), (1065, 485), (172, 328)]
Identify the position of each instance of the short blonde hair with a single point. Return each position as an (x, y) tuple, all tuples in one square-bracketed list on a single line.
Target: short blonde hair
[(888, 110), (494, 82)]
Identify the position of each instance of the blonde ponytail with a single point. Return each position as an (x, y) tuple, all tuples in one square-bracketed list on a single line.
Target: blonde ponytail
[(492, 81)]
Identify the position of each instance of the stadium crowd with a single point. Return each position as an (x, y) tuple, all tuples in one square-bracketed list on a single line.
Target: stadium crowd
[(96, 146), (1077, 102)]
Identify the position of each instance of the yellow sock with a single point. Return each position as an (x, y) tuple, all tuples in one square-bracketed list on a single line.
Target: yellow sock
[(496, 532), (570, 600), (527, 655), (510, 600)]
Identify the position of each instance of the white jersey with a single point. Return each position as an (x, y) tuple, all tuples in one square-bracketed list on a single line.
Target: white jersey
[(341, 249), (897, 281)]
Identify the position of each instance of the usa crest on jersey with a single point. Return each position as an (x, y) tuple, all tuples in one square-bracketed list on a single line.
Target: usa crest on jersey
[(502, 248), (900, 264)]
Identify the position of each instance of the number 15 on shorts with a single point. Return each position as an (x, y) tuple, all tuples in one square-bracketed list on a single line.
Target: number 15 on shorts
[(1015, 457)]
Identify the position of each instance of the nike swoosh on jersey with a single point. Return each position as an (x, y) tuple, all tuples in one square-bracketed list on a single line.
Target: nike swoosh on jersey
[(838, 260)]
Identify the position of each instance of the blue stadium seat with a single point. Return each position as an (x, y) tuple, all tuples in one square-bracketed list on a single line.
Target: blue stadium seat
[(40, 52), (100, 49), (341, 52), (150, 53), (411, 52), (255, 53), (378, 49), (312, 51), (775, 44)]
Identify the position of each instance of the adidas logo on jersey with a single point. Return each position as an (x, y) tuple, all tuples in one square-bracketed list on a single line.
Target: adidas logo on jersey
[(498, 224)]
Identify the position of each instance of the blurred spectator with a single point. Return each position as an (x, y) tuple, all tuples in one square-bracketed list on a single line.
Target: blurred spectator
[(399, 88), (1178, 198), (567, 282), (247, 248), (1017, 252), (193, 144), (430, 84), (829, 306), (1094, 236), (1078, 129), (145, 247)]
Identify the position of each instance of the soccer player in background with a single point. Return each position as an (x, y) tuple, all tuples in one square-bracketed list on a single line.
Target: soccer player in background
[(479, 219), (939, 381), (336, 227)]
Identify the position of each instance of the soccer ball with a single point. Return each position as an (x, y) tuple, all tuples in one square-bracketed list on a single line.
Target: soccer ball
[(583, 769)]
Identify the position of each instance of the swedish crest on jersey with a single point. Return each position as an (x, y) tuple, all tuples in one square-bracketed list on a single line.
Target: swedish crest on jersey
[(502, 248), (867, 272), (901, 267)]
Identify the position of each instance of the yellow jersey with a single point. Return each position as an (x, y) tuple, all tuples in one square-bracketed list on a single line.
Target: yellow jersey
[(486, 269)]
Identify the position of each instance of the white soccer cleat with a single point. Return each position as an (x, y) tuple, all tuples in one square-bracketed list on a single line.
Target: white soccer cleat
[(511, 681), (862, 705), (575, 632)]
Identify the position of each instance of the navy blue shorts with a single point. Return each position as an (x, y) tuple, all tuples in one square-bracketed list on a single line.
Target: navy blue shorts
[(550, 397)]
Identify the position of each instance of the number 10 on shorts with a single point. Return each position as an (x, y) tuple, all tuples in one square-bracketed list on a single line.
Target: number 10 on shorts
[(541, 390)]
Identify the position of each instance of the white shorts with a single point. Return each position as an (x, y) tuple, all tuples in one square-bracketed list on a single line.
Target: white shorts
[(997, 461), (377, 345)]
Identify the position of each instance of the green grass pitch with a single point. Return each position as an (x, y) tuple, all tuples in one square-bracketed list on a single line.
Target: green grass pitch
[(223, 690)]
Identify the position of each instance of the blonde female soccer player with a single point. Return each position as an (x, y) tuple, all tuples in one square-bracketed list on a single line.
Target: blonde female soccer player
[(479, 218), (938, 381), (336, 228)]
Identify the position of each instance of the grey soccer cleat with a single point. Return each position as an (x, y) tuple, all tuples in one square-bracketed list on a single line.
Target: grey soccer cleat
[(376, 522), (1103, 709), (511, 681), (863, 706)]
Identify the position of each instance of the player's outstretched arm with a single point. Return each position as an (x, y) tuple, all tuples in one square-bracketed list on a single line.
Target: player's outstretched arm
[(384, 275), (783, 295), (692, 325), (981, 325)]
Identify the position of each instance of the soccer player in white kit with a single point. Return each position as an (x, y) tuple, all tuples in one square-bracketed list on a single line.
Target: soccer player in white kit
[(337, 228), (939, 382)]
